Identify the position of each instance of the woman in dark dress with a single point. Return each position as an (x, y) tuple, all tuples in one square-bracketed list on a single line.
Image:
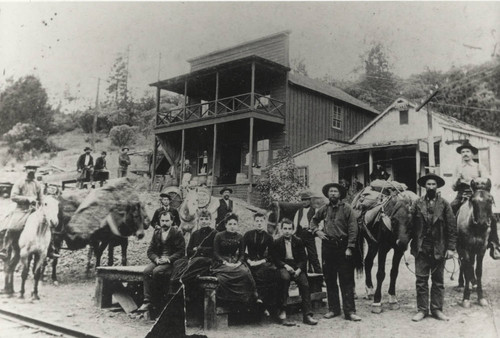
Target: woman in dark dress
[(235, 279), (199, 253), (258, 245)]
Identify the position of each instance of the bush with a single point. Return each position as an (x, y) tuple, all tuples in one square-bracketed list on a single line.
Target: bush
[(86, 119), (122, 135), (25, 139)]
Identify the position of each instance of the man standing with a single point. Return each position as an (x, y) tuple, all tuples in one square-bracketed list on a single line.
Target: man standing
[(465, 172), (338, 243), (100, 169), (85, 166), (433, 237), (225, 207), (123, 162), (301, 221), (167, 245), (165, 206), (379, 173), (26, 193), (290, 258)]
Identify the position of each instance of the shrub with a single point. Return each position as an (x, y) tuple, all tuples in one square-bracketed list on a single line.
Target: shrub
[(123, 135), (25, 139), (86, 119)]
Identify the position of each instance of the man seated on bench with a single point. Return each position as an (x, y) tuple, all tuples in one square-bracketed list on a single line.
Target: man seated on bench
[(290, 258), (167, 245)]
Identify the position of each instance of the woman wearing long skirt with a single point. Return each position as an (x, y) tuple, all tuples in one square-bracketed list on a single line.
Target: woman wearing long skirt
[(235, 279)]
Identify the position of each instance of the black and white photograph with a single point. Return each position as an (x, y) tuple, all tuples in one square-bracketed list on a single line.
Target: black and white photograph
[(249, 169)]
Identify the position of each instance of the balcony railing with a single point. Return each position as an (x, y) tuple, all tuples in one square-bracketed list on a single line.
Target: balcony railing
[(222, 107)]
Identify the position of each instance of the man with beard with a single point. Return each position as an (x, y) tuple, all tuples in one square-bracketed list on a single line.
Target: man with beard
[(165, 206), (85, 166), (26, 193), (465, 172), (433, 233), (338, 243), (225, 207)]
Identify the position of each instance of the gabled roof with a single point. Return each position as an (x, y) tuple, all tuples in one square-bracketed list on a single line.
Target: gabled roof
[(326, 89), (444, 120), (322, 143)]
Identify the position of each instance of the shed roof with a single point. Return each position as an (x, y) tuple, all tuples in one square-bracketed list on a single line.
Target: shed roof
[(371, 146), (326, 89)]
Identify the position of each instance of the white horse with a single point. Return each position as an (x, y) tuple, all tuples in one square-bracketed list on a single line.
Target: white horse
[(35, 240), (195, 200)]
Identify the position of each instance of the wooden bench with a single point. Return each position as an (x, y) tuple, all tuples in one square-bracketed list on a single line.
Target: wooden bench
[(215, 317)]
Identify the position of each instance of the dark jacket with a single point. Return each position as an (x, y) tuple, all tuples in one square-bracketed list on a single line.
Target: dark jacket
[(379, 174), (175, 245), (298, 251), (80, 164), (100, 163), (123, 161), (203, 240), (155, 221), (442, 221), (222, 211), (340, 224), (258, 244)]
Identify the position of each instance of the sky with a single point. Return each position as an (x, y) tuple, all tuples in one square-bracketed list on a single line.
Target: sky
[(69, 45)]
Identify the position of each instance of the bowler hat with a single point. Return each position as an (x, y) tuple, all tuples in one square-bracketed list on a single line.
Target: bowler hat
[(422, 180), (467, 145), (226, 188), (165, 195), (341, 188), (87, 148)]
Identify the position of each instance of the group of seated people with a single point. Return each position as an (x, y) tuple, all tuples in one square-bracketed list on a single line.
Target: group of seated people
[(249, 268)]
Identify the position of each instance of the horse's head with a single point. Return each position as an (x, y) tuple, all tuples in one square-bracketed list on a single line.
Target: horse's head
[(482, 206), (50, 208), (129, 221), (189, 206), (399, 212)]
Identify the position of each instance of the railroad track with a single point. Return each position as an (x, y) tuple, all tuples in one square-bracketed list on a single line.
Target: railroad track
[(13, 324)]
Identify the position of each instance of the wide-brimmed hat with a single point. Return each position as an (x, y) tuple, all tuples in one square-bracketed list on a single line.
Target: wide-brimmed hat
[(226, 188), (467, 145), (307, 195), (31, 165), (422, 180), (341, 188), (125, 148), (87, 148)]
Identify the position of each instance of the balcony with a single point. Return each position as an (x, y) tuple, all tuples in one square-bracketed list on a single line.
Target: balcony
[(264, 107)]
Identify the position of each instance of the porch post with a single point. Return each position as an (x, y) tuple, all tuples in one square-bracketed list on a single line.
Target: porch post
[(155, 153), (252, 91), (182, 157), (370, 163), (185, 99), (158, 90), (250, 160), (417, 167), (216, 92), (213, 156)]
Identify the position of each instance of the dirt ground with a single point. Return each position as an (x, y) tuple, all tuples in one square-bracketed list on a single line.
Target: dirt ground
[(71, 303)]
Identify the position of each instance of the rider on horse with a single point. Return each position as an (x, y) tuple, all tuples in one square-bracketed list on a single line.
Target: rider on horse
[(466, 172), (26, 193)]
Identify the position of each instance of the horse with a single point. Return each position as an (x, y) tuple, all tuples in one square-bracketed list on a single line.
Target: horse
[(195, 198), (473, 223), (35, 240)]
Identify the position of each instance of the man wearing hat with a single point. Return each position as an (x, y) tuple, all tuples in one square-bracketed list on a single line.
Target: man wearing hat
[(301, 221), (165, 206), (26, 193), (433, 234), (379, 173), (100, 169), (338, 243), (123, 162), (225, 207), (85, 166), (465, 172)]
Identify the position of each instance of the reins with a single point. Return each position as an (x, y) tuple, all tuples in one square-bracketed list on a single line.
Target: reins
[(434, 270)]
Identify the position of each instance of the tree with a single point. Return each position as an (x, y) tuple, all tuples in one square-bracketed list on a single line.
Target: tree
[(118, 80), (24, 139), (298, 66), (282, 181), (25, 100), (122, 135)]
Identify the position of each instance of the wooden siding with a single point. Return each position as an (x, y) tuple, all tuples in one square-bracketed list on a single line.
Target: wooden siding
[(308, 119), (274, 48)]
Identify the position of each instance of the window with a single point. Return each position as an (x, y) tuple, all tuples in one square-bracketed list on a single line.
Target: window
[(483, 157), (337, 117), (403, 117), (303, 175), (263, 153)]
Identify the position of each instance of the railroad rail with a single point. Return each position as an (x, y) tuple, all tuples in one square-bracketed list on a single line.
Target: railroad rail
[(13, 324)]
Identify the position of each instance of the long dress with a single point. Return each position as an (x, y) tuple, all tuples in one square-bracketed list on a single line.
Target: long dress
[(199, 257), (236, 284), (258, 244)]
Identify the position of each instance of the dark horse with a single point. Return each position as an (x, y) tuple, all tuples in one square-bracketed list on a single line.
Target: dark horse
[(473, 222), (383, 234)]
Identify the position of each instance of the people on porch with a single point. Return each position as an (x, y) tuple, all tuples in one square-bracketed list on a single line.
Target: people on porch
[(259, 244), (338, 245), (379, 172), (225, 207), (433, 238), (301, 221), (165, 206), (465, 172), (236, 283), (166, 247), (291, 260)]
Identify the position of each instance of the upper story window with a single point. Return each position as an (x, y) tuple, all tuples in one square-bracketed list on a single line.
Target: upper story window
[(337, 117), (403, 117)]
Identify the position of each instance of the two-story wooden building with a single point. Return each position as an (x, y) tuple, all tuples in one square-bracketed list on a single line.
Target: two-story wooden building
[(242, 105)]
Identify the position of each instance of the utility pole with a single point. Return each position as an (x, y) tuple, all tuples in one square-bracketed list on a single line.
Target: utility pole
[(159, 66), (94, 122), (126, 73), (430, 136)]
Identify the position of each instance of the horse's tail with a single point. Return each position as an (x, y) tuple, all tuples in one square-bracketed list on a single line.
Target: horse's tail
[(358, 254)]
